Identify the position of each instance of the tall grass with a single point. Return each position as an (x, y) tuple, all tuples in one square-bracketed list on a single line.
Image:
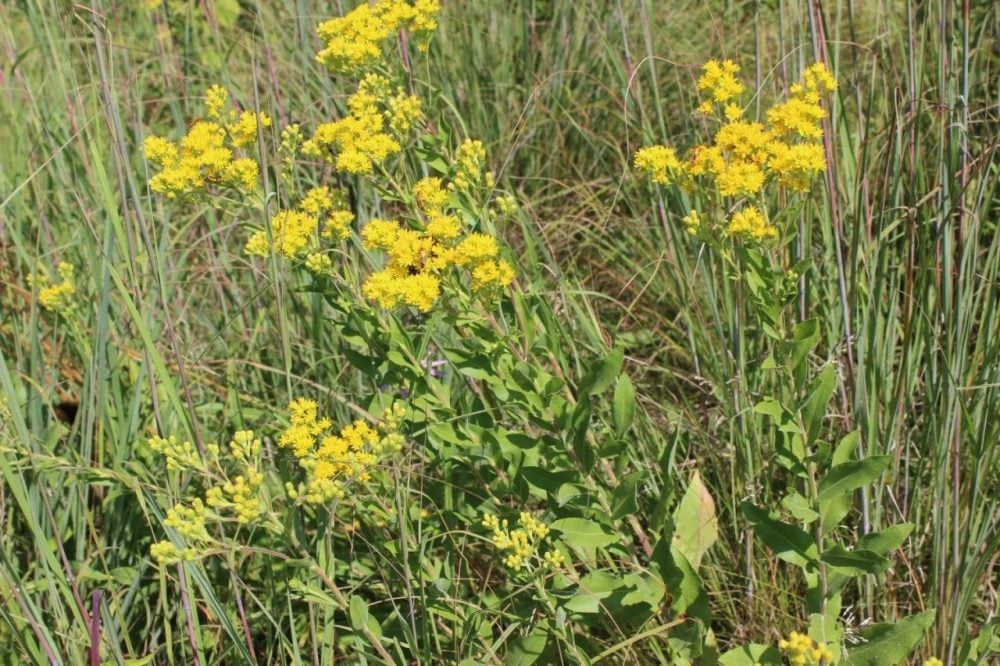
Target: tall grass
[(181, 326)]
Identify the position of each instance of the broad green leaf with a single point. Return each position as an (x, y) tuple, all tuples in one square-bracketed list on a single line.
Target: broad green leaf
[(849, 476), (799, 507), (859, 560), (891, 644), (846, 448), (697, 527), (623, 406), (624, 501), (814, 406), (788, 542), (647, 589), (887, 540), (602, 374), (805, 336), (592, 589), (583, 533), (526, 650)]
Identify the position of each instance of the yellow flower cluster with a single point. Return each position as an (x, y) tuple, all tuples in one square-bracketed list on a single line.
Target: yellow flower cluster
[(417, 259), (293, 232), (205, 156), (377, 121), (189, 521), (331, 461), (469, 160), (241, 495), (522, 542), (801, 650), (719, 80), (354, 42), (933, 661), (744, 156), (180, 456), (751, 223), (59, 297), (659, 161)]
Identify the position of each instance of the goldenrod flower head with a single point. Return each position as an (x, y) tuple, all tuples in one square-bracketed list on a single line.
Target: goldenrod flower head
[(430, 194), (353, 42), (718, 78), (59, 297), (319, 263), (404, 111), (801, 650), (180, 456), (215, 101), (292, 232), (244, 129), (159, 150), (380, 234), (491, 274), (469, 160), (443, 227), (522, 543), (692, 222), (751, 223), (659, 162), (338, 225), (332, 460), (740, 178), (476, 248)]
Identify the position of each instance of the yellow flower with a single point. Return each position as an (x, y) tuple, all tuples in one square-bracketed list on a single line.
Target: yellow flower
[(380, 234), (332, 460), (659, 162), (430, 194), (476, 248), (801, 650), (159, 150), (244, 130), (719, 80), (291, 232), (492, 274), (215, 101), (750, 222), (61, 296)]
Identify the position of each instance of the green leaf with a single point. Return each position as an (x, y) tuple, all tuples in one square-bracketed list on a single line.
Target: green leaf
[(799, 507), (858, 560), (526, 650), (624, 501), (887, 540), (891, 644), (592, 589), (788, 542), (751, 655), (814, 406), (805, 336), (583, 533), (697, 527), (849, 476), (684, 586), (579, 424), (602, 373), (623, 406)]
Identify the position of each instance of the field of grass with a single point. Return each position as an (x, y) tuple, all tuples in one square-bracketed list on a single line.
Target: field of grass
[(723, 451)]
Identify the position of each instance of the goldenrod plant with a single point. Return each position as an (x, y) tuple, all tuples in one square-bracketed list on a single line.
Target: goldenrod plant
[(549, 332)]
